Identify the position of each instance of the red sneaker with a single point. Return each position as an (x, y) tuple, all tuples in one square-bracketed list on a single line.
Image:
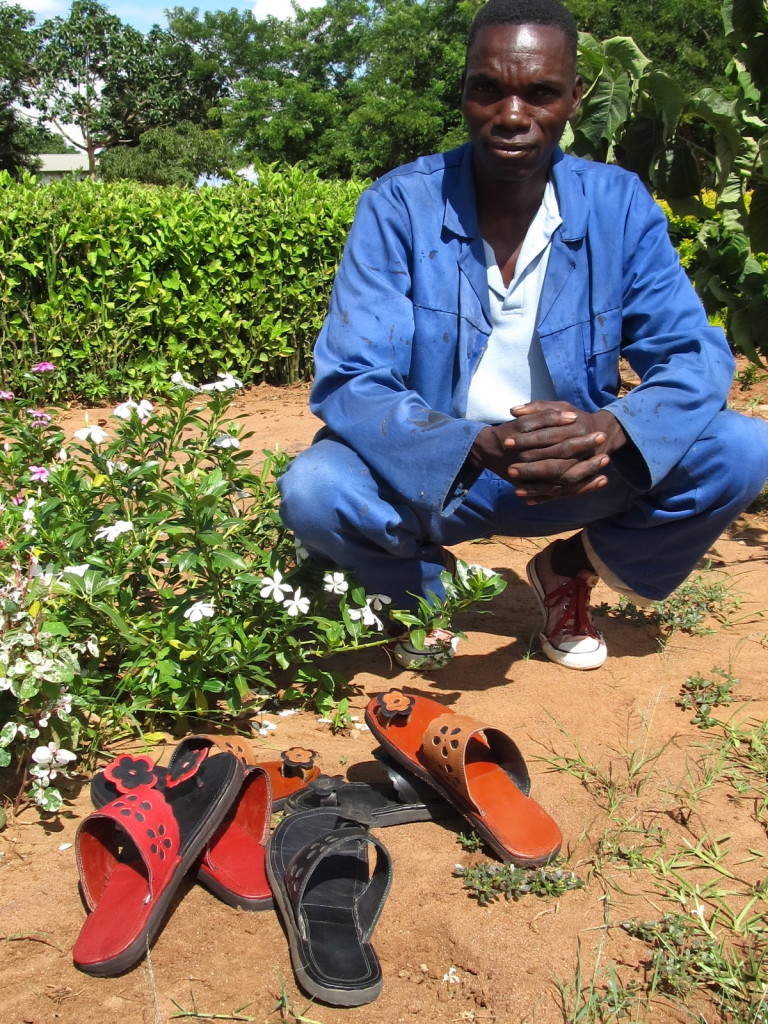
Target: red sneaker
[(569, 637)]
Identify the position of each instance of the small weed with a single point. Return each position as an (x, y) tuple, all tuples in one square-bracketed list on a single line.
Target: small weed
[(749, 376), (702, 695), (195, 1014), (284, 1006), (704, 596), (488, 882), (626, 775), (687, 955), (340, 716), (616, 848), (600, 999), (471, 843)]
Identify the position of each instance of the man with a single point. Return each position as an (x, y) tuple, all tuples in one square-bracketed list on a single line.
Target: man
[(468, 370)]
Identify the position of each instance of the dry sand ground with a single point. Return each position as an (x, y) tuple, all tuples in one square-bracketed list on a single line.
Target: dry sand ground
[(505, 957)]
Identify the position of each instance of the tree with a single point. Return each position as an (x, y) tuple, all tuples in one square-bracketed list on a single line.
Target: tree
[(170, 156), (683, 39), (15, 53), (83, 59), (354, 87), (113, 83), (36, 138)]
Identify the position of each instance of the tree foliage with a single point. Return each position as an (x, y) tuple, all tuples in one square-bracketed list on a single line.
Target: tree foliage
[(682, 143), (170, 156), (354, 88), (15, 52), (683, 39), (113, 83)]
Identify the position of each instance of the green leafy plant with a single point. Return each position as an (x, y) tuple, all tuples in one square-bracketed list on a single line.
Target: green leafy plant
[(702, 695), (488, 882), (705, 596), (119, 284), (470, 842), (145, 575)]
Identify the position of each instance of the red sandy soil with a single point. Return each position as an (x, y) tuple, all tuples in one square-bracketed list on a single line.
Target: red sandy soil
[(506, 957)]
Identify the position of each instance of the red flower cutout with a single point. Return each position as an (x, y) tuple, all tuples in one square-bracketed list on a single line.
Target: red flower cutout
[(128, 772)]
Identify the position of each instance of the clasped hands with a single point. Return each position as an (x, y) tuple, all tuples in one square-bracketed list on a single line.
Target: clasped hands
[(549, 450)]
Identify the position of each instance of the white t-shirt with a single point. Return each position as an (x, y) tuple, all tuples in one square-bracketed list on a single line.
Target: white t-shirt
[(512, 370)]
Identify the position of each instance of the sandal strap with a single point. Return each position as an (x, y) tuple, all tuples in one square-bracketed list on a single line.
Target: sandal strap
[(229, 744), (369, 901), (444, 749), (144, 816)]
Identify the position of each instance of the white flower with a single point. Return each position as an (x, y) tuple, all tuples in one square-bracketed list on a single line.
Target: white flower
[(226, 382), (273, 586), (335, 583), (297, 605), (226, 441), (378, 601), (286, 712), (142, 409), (63, 455), (200, 610), (366, 615), (301, 553), (63, 705), (77, 570), (112, 532), (452, 977), (91, 433), (52, 756), (178, 379)]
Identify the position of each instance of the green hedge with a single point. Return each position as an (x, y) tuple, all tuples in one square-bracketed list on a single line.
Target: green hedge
[(121, 284)]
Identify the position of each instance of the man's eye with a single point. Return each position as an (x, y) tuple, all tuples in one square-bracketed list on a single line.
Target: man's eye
[(543, 93)]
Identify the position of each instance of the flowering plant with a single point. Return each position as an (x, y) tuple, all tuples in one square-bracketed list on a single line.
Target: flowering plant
[(161, 583)]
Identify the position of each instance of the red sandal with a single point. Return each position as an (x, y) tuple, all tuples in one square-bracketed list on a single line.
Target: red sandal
[(133, 853)]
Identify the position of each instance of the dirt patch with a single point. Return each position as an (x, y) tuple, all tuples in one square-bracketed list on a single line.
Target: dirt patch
[(506, 957)]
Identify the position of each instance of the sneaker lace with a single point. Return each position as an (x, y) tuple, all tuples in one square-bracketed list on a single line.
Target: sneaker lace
[(575, 619)]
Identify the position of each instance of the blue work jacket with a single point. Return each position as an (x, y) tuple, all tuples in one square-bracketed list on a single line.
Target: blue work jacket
[(409, 320)]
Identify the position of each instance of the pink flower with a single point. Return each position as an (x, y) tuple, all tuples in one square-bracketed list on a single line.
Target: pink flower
[(43, 367), (41, 419), (17, 499), (38, 473), (6, 396)]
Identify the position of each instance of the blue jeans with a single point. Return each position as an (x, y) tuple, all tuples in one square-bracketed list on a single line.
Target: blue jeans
[(651, 540)]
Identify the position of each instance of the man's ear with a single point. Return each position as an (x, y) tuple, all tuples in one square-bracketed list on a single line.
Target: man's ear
[(578, 94)]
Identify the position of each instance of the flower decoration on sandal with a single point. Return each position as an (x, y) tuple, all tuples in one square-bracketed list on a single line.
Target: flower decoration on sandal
[(128, 772), (185, 766), (394, 702), (298, 761)]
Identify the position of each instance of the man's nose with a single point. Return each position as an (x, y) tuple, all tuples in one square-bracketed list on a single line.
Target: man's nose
[(513, 112)]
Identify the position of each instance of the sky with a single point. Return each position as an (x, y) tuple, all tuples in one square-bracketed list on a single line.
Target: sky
[(143, 16)]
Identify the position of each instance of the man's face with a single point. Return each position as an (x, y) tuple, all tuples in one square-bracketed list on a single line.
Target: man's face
[(520, 90)]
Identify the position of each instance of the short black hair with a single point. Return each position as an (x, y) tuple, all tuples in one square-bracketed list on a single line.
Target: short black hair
[(526, 12)]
